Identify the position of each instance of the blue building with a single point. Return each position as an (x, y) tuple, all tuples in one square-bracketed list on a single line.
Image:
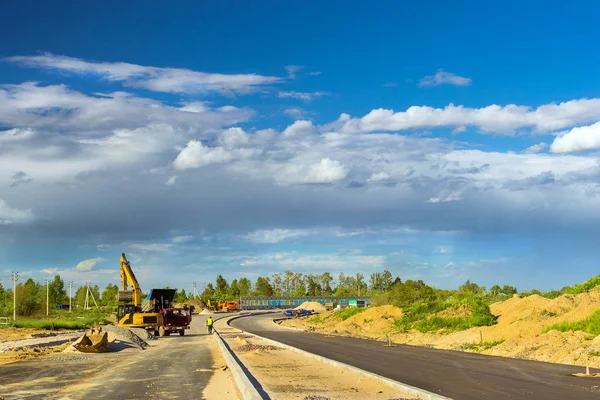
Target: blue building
[(283, 302)]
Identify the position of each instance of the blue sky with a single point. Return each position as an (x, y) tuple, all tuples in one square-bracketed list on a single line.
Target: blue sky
[(441, 143)]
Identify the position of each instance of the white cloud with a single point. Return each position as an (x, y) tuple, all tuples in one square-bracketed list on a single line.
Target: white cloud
[(294, 261), (296, 113), (171, 180), (151, 246), (536, 148), (182, 239), (379, 176), (390, 84), (171, 80), (300, 127), (196, 155), (315, 73), (292, 69), (10, 215), (441, 78), (454, 196), (233, 137), (491, 119), (87, 265), (325, 171), (275, 235), (306, 96), (578, 139), (49, 271)]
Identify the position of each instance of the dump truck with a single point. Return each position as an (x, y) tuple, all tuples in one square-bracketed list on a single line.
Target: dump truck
[(175, 320)]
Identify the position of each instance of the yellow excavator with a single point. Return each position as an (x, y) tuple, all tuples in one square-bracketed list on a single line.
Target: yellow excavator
[(131, 311)]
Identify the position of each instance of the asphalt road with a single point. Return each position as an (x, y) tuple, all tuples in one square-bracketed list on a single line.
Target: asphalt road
[(176, 368), (454, 374)]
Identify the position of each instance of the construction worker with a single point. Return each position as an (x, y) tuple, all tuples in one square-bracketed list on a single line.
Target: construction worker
[(209, 324)]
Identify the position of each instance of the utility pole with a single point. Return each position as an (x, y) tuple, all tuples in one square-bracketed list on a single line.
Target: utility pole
[(70, 295), (87, 291), (195, 291), (47, 294), (15, 275)]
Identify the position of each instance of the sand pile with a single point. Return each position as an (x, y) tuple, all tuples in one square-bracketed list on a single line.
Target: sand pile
[(312, 305), (205, 311)]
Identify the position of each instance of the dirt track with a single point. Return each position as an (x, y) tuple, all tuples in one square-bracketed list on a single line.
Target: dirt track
[(173, 367)]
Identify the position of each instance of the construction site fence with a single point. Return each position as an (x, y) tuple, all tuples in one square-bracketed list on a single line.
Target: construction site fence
[(284, 302)]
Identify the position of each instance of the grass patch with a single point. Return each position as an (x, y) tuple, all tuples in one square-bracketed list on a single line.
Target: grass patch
[(63, 319), (482, 346), (547, 313), (348, 312), (594, 354), (590, 325), (367, 320), (316, 319), (419, 316)]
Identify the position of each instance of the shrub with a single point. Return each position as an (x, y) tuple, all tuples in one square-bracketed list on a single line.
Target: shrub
[(591, 325), (348, 312)]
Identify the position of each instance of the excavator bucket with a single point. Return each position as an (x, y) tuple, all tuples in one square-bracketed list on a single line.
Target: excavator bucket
[(94, 341)]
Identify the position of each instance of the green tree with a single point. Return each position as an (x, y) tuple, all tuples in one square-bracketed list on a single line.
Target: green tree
[(57, 293), (326, 281), (109, 295), (180, 296), (263, 287), (509, 290), (234, 290), (28, 298), (313, 287), (208, 293), (222, 286), (245, 286)]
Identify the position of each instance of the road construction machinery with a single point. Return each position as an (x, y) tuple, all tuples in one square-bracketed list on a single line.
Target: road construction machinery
[(132, 312)]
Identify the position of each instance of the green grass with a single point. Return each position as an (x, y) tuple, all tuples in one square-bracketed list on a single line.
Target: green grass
[(590, 325), (585, 286), (482, 345), (419, 316), (316, 319), (594, 354), (348, 312), (63, 319), (548, 313)]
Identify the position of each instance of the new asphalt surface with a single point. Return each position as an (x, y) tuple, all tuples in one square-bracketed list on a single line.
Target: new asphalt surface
[(458, 375)]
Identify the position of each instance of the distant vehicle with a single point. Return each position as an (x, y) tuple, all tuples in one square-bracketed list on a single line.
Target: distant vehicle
[(174, 320), (289, 313), (305, 312), (297, 313)]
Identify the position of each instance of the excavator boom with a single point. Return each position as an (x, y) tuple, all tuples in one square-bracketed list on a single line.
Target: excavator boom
[(128, 277)]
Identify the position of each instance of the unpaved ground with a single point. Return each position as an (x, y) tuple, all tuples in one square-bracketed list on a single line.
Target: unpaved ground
[(285, 374), (517, 334), (21, 354), (9, 334), (172, 367)]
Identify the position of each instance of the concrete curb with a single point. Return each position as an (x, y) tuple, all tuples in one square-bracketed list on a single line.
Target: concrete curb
[(412, 390), (286, 327), (244, 385)]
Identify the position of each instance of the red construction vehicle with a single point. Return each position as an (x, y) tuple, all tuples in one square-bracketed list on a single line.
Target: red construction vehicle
[(175, 320)]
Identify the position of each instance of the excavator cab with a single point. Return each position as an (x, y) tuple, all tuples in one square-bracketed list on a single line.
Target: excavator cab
[(124, 309)]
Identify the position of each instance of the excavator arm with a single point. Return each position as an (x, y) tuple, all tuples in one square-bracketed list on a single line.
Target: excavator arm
[(128, 277)]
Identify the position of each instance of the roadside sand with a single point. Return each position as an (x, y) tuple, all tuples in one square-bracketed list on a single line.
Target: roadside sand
[(518, 332), (221, 384), (27, 354)]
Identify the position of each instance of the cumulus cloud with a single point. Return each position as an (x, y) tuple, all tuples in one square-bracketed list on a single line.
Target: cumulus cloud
[(578, 139), (296, 113), (275, 235), (442, 77), (171, 180), (88, 265), (335, 262), (306, 96), (196, 155), (171, 80)]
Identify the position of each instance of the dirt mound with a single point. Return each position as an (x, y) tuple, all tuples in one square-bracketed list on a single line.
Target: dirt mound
[(312, 305), (205, 311)]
